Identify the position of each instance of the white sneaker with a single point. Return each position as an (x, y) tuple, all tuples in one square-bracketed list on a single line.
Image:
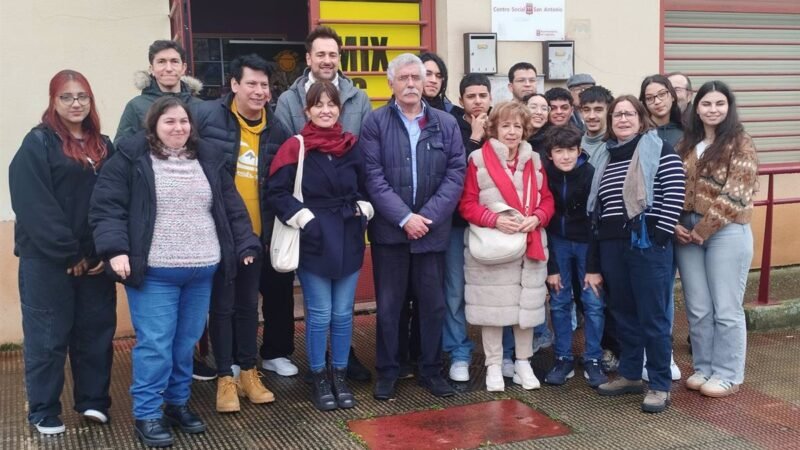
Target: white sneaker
[(675, 371), (696, 381), (523, 374), (459, 371), (508, 368), (50, 425), (281, 366), (716, 387), (494, 379), (95, 416)]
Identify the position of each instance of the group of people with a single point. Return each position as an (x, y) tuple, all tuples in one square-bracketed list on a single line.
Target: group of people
[(474, 213)]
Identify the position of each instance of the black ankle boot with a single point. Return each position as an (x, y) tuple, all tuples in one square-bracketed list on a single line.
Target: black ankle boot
[(321, 394), (153, 432), (355, 370), (344, 396)]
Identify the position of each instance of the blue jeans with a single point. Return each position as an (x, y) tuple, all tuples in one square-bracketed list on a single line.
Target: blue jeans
[(713, 277), (168, 312), (329, 306), (455, 340), (562, 307), (638, 282), (65, 315)]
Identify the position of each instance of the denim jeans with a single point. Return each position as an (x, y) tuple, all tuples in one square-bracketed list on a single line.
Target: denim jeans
[(329, 306), (65, 315), (233, 321), (455, 340), (713, 276), (638, 282), (168, 312), (562, 307)]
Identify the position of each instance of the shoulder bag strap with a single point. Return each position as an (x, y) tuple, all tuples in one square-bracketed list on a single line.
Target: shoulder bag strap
[(298, 179)]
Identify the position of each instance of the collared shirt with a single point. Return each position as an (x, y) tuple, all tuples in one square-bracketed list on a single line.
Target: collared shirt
[(414, 130)]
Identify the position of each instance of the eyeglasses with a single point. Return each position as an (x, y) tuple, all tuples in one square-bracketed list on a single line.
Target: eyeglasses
[(405, 78), (624, 114), (544, 109), (660, 95), (682, 89), (68, 99)]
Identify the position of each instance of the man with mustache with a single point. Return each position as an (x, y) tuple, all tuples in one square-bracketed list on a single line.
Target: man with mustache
[(323, 50), (415, 173)]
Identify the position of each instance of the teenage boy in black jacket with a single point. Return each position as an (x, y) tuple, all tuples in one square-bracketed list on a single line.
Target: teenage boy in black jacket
[(569, 177)]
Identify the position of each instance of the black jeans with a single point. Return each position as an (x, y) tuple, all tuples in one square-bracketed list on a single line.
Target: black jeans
[(277, 307), (400, 274), (61, 315), (233, 322)]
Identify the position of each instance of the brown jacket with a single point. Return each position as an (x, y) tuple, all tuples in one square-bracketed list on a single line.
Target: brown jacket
[(722, 194)]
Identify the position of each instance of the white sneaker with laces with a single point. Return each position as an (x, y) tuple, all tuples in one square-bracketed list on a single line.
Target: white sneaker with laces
[(523, 374), (459, 371), (95, 416), (281, 366), (494, 379), (717, 387), (696, 381), (508, 368)]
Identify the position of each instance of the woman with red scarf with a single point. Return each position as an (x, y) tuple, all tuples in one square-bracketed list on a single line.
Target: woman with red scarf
[(332, 218), (507, 172)]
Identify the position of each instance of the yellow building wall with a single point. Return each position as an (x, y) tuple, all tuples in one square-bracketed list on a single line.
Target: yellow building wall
[(107, 41)]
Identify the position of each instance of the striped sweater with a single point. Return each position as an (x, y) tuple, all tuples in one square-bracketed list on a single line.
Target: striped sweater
[(668, 193), (722, 194)]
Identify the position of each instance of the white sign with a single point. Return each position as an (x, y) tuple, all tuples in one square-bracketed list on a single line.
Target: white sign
[(528, 20)]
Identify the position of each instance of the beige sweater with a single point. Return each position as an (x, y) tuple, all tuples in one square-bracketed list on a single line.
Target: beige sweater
[(722, 194), (512, 293)]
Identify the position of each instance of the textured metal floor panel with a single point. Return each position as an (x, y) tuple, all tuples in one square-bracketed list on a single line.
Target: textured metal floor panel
[(765, 414)]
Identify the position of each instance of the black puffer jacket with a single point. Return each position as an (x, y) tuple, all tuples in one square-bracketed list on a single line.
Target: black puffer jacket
[(217, 124), (50, 196), (123, 209)]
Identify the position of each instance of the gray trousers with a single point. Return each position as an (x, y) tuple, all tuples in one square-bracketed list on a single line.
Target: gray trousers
[(714, 276)]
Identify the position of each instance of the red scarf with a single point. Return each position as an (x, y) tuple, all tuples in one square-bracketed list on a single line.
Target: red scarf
[(326, 140), (508, 191)]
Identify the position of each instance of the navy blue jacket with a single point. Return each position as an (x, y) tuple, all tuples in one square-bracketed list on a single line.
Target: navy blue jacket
[(50, 196), (441, 167), (331, 244), (123, 209), (217, 123), (570, 193)]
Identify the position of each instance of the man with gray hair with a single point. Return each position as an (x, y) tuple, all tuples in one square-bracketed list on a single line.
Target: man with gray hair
[(415, 173)]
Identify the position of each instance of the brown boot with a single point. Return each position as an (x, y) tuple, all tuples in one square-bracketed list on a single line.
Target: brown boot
[(250, 385), (227, 400)]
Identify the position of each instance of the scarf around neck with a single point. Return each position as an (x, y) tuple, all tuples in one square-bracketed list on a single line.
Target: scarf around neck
[(332, 141)]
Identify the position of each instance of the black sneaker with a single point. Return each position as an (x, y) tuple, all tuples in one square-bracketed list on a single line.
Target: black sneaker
[(50, 425), (562, 370), (201, 371), (437, 386), (593, 373)]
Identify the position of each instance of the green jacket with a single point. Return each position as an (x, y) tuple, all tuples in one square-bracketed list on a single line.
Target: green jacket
[(132, 119)]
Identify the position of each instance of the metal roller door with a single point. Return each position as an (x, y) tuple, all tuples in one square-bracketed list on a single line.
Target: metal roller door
[(752, 46)]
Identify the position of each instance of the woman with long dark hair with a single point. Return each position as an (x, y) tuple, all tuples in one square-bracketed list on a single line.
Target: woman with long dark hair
[(661, 101), (332, 218), (716, 243), (166, 215), (68, 304), (635, 201)]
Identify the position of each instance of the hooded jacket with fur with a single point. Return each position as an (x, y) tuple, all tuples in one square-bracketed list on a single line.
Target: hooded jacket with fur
[(132, 119)]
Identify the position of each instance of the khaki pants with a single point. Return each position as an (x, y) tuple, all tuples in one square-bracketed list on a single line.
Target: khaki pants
[(493, 343)]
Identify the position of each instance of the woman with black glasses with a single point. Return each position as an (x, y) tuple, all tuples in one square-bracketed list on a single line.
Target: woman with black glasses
[(68, 304)]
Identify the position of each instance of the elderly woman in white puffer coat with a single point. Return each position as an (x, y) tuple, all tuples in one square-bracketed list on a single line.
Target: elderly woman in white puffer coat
[(507, 203)]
